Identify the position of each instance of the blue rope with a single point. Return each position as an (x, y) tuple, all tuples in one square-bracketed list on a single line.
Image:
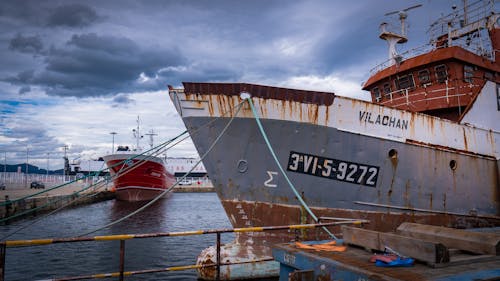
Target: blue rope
[(302, 202)]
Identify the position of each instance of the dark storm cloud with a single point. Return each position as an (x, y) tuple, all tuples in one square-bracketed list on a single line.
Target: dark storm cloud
[(122, 99), (73, 15), (26, 44), (97, 65), (24, 89)]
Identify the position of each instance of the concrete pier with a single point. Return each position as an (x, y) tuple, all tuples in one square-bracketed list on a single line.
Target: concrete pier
[(48, 201)]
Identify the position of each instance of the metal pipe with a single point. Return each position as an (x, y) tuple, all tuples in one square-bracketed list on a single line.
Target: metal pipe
[(217, 277), (20, 243), (122, 258)]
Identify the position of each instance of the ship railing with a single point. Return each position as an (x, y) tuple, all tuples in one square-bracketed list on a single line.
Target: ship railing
[(121, 274), (476, 41), (414, 52), (22, 180)]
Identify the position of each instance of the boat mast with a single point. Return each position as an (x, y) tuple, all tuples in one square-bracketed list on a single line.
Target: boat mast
[(137, 135), (151, 134)]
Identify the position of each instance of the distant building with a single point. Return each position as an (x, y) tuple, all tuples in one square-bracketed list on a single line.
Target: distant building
[(176, 166), (180, 166), (88, 166)]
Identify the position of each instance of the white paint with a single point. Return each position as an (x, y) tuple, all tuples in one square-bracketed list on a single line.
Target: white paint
[(485, 112), (344, 114)]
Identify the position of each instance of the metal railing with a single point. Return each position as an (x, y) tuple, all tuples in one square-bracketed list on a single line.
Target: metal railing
[(122, 237), (22, 178)]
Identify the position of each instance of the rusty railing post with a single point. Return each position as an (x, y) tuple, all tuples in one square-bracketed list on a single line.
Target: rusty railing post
[(2, 261), (122, 258), (217, 277)]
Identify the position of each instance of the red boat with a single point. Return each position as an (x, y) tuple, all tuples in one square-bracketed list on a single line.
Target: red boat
[(138, 177)]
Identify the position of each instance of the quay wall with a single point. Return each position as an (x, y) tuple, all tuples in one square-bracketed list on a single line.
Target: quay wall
[(46, 202), (181, 189), (60, 197)]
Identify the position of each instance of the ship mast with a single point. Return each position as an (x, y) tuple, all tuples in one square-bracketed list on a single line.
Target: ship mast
[(151, 134), (137, 135), (394, 38)]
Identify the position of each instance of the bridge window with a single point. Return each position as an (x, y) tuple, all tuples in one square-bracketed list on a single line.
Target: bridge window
[(441, 73), (387, 90), (424, 76), (405, 82), (468, 73), (376, 93)]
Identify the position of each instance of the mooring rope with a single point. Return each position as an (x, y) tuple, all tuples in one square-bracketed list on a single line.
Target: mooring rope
[(266, 139), (238, 107), (156, 149)]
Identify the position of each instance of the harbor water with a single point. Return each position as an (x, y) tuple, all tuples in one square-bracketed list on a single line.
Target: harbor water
[(178, 212)]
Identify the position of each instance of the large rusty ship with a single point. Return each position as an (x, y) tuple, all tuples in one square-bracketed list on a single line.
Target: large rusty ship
[(426, 149)]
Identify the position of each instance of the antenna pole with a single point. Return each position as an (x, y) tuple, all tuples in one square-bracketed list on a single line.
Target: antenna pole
[(151, 134), (138, 136), (113, 145), (465, 13)]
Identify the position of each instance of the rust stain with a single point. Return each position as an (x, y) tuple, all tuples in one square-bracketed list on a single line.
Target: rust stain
[(263, 107), (232, 104), (465, 140), (268, 214), (211, 106), (283, 109), (260, 91), (300, 110), (312, 114), (407, 193)]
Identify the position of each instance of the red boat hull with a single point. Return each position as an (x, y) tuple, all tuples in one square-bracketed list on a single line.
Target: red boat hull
[(138, 177)]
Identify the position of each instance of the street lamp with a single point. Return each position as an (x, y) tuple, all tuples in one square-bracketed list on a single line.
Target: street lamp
[(65, 147), (27, 161), (48, 156), (113, 147), (4, 167)]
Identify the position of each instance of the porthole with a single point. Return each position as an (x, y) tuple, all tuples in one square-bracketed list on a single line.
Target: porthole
[(393, 153), (242, 166), (453, 165)]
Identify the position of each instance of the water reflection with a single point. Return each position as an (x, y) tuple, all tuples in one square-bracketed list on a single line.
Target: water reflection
[(180, 212)]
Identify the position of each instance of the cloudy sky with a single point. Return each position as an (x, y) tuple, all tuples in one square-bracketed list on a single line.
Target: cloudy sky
[(71, 72)]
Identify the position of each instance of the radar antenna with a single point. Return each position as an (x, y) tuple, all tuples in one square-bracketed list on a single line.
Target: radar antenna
[(393, 38)]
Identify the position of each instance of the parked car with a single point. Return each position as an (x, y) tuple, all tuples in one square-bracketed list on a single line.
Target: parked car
[(2, 186), (186, 182), (37, 184)]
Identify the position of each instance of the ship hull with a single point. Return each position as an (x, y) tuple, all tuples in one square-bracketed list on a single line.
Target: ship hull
[(346, 158), (138, 179), (250, 186)]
